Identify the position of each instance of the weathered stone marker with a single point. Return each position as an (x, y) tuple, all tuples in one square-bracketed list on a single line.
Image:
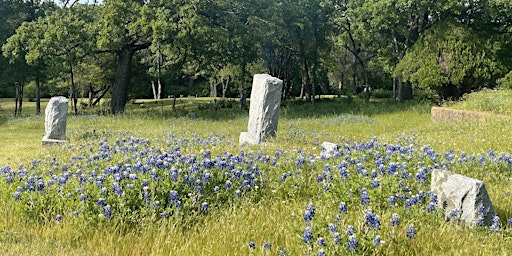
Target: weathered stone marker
[(329, 150), (465, 195), (55, 121), (264, 109)]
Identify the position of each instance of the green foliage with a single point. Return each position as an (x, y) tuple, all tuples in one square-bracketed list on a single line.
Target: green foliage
[(506, 81), (496, 101), (449, 61)]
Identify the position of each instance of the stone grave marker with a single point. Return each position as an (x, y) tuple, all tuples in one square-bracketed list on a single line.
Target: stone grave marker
[(56, 113), (263, 109), (467, 196)]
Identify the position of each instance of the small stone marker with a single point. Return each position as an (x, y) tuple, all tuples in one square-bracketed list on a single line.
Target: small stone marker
[(465, 195), (264, 109), (55, 121), (328, 150)]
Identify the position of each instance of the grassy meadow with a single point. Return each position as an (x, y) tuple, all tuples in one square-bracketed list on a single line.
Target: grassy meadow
[(155, 181)]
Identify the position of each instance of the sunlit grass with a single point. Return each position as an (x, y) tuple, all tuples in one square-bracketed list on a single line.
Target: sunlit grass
[(276, 216)]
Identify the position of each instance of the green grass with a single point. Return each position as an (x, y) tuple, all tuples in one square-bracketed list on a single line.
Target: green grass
[(496, 101), (265, 217)]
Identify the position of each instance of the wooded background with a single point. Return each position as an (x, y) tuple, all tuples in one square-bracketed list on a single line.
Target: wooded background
[(130, 49)]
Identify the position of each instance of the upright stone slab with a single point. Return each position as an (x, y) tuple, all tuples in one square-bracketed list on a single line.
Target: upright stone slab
[(55, 121), (263, 110), (463, 194), (329, 150)]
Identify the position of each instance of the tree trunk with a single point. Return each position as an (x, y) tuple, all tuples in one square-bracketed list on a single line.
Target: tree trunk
[(305, 89), (154, 90), (73, 88), (122, 80), (38, 96)]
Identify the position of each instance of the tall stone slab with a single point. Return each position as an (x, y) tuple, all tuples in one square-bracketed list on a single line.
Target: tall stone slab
[(263, 109), (467, 196), (56, 114)]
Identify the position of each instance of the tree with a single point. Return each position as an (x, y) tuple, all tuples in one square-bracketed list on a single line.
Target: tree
[(450, 60), (125, 27)]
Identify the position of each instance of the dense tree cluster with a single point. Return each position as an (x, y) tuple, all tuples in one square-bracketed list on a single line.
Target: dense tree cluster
[(134, 48)]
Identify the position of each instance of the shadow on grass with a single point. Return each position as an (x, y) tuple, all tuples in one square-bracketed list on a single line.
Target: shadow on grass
[(229, 109)]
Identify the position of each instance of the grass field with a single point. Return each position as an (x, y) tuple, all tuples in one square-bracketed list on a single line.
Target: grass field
[(267, 205)]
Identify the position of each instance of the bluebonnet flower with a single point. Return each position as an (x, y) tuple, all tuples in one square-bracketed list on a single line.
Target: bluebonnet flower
[(252, 245), (352, 243), (17, 195), (321, 253), (431, 207), (227, 184), (309, 213), (365, 198), (337, 238), (101, 201), (372, 220), (377, 240), (266, 246), (321, 242), (453, 214), (333, 228), (164, 215), (496, 223), (237, 193), (395, 221), (392, 200), (411, 232), (342, 208), (204, 207), (350, 230), (145, 194), (307, 236), (107, 211), (40, 185), (480, 222), (282, 252), (375, 183), (58, 217)]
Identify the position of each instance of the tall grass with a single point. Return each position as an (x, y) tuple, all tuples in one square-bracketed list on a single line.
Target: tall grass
[(274, 212)]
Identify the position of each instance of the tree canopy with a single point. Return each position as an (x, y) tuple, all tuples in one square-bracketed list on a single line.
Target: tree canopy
[(133, 48)]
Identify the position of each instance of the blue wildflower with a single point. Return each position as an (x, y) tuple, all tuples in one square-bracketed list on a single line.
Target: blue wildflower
[(337, 238), (58, 217), (321, 242), (101, 201), (342, 208), (411, 232), (333, 228), (282, 252), (350, 230), (307, 236), (453, 214), (107, 211), (204, 207), (365, 198), (372, 220), (377, 240), (352, 243), (395, 221), (496, 223), (266, 246), (321, 253), (309, 213), (252, 245), (431, 207), (17, 195)]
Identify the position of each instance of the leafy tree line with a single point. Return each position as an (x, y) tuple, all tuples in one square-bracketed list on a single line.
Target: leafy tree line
[(138, 49)]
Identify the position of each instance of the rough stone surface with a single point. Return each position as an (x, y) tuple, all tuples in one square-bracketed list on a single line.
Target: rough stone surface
[(55, 121), (264, 109), (463, 194), (329, 150)]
